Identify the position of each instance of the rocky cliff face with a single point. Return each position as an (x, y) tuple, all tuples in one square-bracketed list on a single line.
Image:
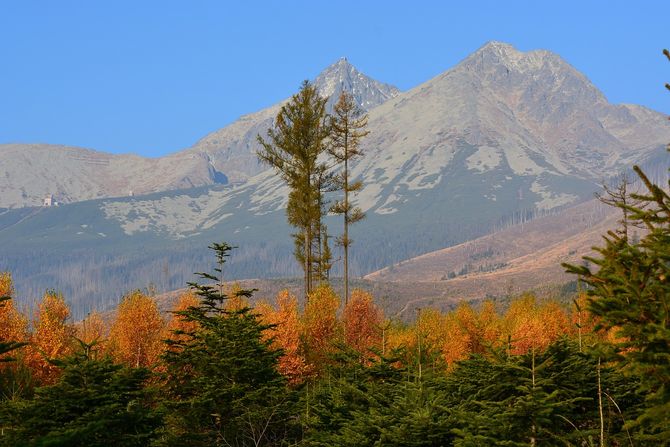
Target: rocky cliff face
[(528, 126)]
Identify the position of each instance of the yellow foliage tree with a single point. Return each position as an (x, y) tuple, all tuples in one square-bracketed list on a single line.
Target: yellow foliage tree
[(285, 335), (52, 337), (137, 332), (320, 327), (362, 321), (92, 329), (6, 286), (236, 302), (431, 333), (399, 335)]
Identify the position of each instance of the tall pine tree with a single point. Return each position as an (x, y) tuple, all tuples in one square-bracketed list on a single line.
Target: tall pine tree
[(293, 148), (347, 128)]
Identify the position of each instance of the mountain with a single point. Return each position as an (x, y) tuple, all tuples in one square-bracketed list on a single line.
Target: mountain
[(503, 137), (233, 148), (29, 172), (526, 129), (344, 77)]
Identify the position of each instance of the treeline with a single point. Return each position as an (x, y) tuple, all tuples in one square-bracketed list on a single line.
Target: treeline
[(91, 280), (217, 372)]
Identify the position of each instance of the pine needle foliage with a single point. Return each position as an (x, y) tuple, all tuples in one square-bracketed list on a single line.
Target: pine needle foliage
[(221, 383), (94, 403), (293, 148), (629, 290)]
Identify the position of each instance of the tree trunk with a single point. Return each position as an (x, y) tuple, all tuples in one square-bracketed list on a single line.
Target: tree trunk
[(346, 220)]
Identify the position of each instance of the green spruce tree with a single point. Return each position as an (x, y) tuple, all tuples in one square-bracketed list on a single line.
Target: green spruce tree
[(221, 384), (629, 289), (95, 403)]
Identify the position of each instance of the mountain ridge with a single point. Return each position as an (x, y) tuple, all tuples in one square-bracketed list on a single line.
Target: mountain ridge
[(29, 172)]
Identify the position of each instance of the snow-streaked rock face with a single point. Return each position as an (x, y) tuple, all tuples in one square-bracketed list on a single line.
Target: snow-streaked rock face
[(529, 116), (342, 76), (527, 122)]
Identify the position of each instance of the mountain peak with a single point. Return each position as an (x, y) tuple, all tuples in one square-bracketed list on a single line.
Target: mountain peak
[(498, 47), (501, 53), (342, 61), (343, 76)]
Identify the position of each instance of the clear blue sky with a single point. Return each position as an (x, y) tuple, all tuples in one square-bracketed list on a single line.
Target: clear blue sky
[(154, 77)]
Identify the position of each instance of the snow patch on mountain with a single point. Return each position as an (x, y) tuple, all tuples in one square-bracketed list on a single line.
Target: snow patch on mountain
[(485, 159), (178, 216), (520, 162), (268, 193), (550, 199)]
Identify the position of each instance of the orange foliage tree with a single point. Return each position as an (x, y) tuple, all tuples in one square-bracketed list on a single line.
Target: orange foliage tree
[(13, 324), (482, 329), (362, 321), (92, 329), (52, 337), (137, 332), (320, 327), (177, 326), (529, 325), (458, 344), (285, 334)]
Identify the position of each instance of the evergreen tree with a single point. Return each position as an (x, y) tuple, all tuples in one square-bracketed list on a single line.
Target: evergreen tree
[(93, 403), (377, 403), (348, 127), (630, 292), (221, 382), (293, 149), (539, 398)]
